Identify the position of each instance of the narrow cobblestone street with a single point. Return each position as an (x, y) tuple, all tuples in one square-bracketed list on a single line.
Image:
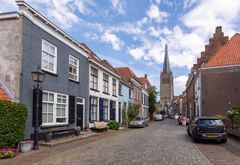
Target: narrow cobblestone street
[(160, 143)]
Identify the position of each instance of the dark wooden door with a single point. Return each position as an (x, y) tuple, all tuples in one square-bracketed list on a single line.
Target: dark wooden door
[(80, 115)]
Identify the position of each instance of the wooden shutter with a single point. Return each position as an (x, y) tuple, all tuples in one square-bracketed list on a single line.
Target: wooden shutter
[(112, 110), (101, 118), (71, 112), (90, 98)]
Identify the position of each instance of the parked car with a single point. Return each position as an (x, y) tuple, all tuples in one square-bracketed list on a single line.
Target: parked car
[(139, 122), (159, 117), (207, 128)]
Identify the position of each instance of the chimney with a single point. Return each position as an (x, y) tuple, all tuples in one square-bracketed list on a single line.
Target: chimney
[(218, 29), (145, 75)]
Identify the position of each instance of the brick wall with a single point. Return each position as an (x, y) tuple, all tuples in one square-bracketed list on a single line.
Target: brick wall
[(220, 90)]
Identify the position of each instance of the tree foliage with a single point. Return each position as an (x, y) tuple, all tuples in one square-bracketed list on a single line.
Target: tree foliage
[(152, 99), (130, 112)]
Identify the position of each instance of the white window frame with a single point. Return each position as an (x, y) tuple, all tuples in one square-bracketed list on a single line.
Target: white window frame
[(105, 83), (54, 55), (93, 77), (114, 87), (73, 65), (55, 108)]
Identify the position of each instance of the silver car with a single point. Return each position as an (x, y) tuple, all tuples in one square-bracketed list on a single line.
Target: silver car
[(139, 122)]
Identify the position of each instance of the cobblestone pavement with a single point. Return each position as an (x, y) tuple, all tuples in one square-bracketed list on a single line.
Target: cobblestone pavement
[(221, 154), (162, 143)]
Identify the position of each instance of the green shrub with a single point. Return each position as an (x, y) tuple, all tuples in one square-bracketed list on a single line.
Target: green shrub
[(113, 125), (234, 116), (13, 117)]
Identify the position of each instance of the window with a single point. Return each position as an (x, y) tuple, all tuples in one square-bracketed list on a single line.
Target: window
[(49, 57), (105, 109), (94, 79), (93, 107), (105, 83), (120, 89), (130, 94), (73, 68), (55, 108), (114, 87)]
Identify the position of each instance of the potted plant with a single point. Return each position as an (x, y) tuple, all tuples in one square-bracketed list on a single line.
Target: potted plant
[(77, 131), (48, 135)]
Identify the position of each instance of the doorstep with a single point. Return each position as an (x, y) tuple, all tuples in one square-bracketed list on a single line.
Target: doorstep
[(68, 139)]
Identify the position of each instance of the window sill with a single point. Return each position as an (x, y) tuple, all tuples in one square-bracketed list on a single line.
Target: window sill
[(50, 73), (106, 93), (120, 95), (74, 81), (94, 89), (53, 126), (114, 95)]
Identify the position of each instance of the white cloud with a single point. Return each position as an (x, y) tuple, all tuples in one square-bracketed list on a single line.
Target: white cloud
[(154, 13), (8, 5), (224, 12), (158, 2), (188, 3), (137, 53), (179, 83), (119, 6), (116, 43)]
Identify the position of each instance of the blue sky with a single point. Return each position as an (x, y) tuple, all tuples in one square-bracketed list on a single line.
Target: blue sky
[(133, 32)]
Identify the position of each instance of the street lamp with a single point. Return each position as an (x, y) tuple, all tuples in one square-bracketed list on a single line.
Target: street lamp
[(38, 77)]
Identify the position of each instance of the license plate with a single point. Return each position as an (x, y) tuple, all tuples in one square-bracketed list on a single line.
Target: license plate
[(212, 136)]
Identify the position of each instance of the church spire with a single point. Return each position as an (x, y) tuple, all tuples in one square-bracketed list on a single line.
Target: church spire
[(166, 65)]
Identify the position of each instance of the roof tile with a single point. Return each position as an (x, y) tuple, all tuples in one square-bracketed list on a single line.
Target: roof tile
[(228, 54)]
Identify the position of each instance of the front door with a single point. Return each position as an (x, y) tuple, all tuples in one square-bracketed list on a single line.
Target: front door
[(80, 112)]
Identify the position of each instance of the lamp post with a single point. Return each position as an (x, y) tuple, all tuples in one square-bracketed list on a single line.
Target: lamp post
[(38, 78)]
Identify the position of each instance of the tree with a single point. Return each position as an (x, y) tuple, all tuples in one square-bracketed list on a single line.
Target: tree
[(152, 100), (130, 112)]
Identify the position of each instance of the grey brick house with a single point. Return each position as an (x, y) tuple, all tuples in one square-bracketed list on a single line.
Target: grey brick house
[(29, 40)]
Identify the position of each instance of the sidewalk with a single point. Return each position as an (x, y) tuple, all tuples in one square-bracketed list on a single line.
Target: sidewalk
[(57, 146)]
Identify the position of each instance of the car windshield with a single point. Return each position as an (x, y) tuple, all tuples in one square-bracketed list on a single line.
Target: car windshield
[(137, 118), (210, 122)]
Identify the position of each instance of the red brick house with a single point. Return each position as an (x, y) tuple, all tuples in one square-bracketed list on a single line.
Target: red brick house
[(220, 79), (193, 104)]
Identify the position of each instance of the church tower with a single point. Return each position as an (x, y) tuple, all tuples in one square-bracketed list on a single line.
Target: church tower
[(166, 82)]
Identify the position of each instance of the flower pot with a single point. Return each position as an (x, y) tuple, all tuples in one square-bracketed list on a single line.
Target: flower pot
[(26, 146), (48, 137)]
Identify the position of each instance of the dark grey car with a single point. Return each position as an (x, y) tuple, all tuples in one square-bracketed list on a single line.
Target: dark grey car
[(207, 128)]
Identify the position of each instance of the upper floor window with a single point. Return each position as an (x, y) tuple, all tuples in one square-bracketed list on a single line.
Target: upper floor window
[(114, 87), (49, 57), (94, 79), (73, 68), (105, 83), (130, 93), (120, 89)]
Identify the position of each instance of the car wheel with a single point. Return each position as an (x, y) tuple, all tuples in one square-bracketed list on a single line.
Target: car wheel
[(194, 139), (223, 140), (188, 132)]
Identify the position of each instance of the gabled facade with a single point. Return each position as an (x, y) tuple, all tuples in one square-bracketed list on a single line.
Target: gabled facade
[(128, 75), (145, 103), (220, 79), (215, 43), (125, 95), (103, 89), (30, 40)]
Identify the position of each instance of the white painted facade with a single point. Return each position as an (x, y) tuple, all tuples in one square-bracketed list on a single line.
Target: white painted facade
[(99, 93), (197, 93), (145, 105)]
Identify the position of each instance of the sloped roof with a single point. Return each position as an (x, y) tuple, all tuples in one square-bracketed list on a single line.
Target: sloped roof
[(166, 64), (145, 80), (228, 54), (126, 73), (98, 60)]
